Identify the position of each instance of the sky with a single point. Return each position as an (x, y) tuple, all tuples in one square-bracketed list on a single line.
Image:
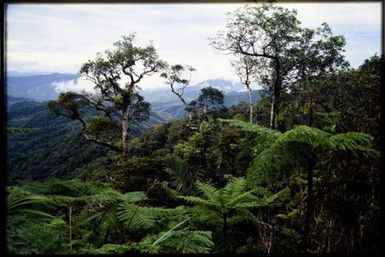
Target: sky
[(47, 38)]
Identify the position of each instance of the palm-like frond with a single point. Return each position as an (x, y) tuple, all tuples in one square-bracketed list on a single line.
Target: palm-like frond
[(146, 218), (264, 137), (293, 148), (207, 189), (356, 143), (179, 241), (21, 201), (232, 202)]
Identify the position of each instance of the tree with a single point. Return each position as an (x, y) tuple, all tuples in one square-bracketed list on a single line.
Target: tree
[(280, 47), (230, 204), (116, 75), (306, 147), (348, 100), (176, 78), (210, 100), (245, 69)]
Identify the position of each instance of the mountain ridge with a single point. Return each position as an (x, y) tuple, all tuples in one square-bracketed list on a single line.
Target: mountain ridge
[(42, 87)]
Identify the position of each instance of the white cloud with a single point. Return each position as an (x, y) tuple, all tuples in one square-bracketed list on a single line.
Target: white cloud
[(75, 85)]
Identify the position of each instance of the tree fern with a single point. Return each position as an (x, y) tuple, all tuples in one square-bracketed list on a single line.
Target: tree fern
[(145, 218), (21, 201), (356, 143), (229, 205), (302, 147), (294, 147), (85, 210)]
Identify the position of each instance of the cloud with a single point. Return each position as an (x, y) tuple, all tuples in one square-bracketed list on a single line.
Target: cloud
[(76, 85)]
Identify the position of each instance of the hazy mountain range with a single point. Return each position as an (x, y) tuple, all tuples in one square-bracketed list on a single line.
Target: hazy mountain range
[(43, 87), (36, 87)]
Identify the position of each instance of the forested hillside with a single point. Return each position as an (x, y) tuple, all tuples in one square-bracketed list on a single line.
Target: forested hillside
[(296, 172), (55, 146)]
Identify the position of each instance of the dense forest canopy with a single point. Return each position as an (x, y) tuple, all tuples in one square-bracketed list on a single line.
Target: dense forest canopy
[(297, 172)]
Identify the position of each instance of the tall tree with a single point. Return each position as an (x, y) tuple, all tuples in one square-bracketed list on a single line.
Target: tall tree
[(246, 71), (210, 100), (116, 75), (273, 37), (178, 77)]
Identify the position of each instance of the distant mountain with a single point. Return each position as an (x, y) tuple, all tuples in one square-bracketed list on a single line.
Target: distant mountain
[(15, 99), (163, 100), (176, 109), (163, 94), (233, 98), (36, 87), (224, 85), (166, 104), (25, 74)]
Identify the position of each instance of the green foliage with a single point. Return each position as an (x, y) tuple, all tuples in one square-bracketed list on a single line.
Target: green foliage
[(136, 173), (21, 131), (39, 155), (201, 155), (226, 186), (264, 137), (118, 101), (210, 98), (280, 51), (180, 241), (21, 201), (340, 102), (94, 206), (295, 147), (328, 120), (183, 178), (104, 129), (109, 249), (230, 204), (356, 143)]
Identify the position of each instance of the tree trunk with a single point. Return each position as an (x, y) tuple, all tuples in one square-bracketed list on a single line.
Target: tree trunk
[(125, 133), (310, 202), (224, 231), (70, 226), (190, 122), (251, 104), (311, 114), (276, 94), (275, 105)]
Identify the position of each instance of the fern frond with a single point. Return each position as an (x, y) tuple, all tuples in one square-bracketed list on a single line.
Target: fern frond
[(108, 249), (356, 143), (168, 233), (242, 215), (207, 189), (35, 212), (182, 241), (293, 148), (201, 201)]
